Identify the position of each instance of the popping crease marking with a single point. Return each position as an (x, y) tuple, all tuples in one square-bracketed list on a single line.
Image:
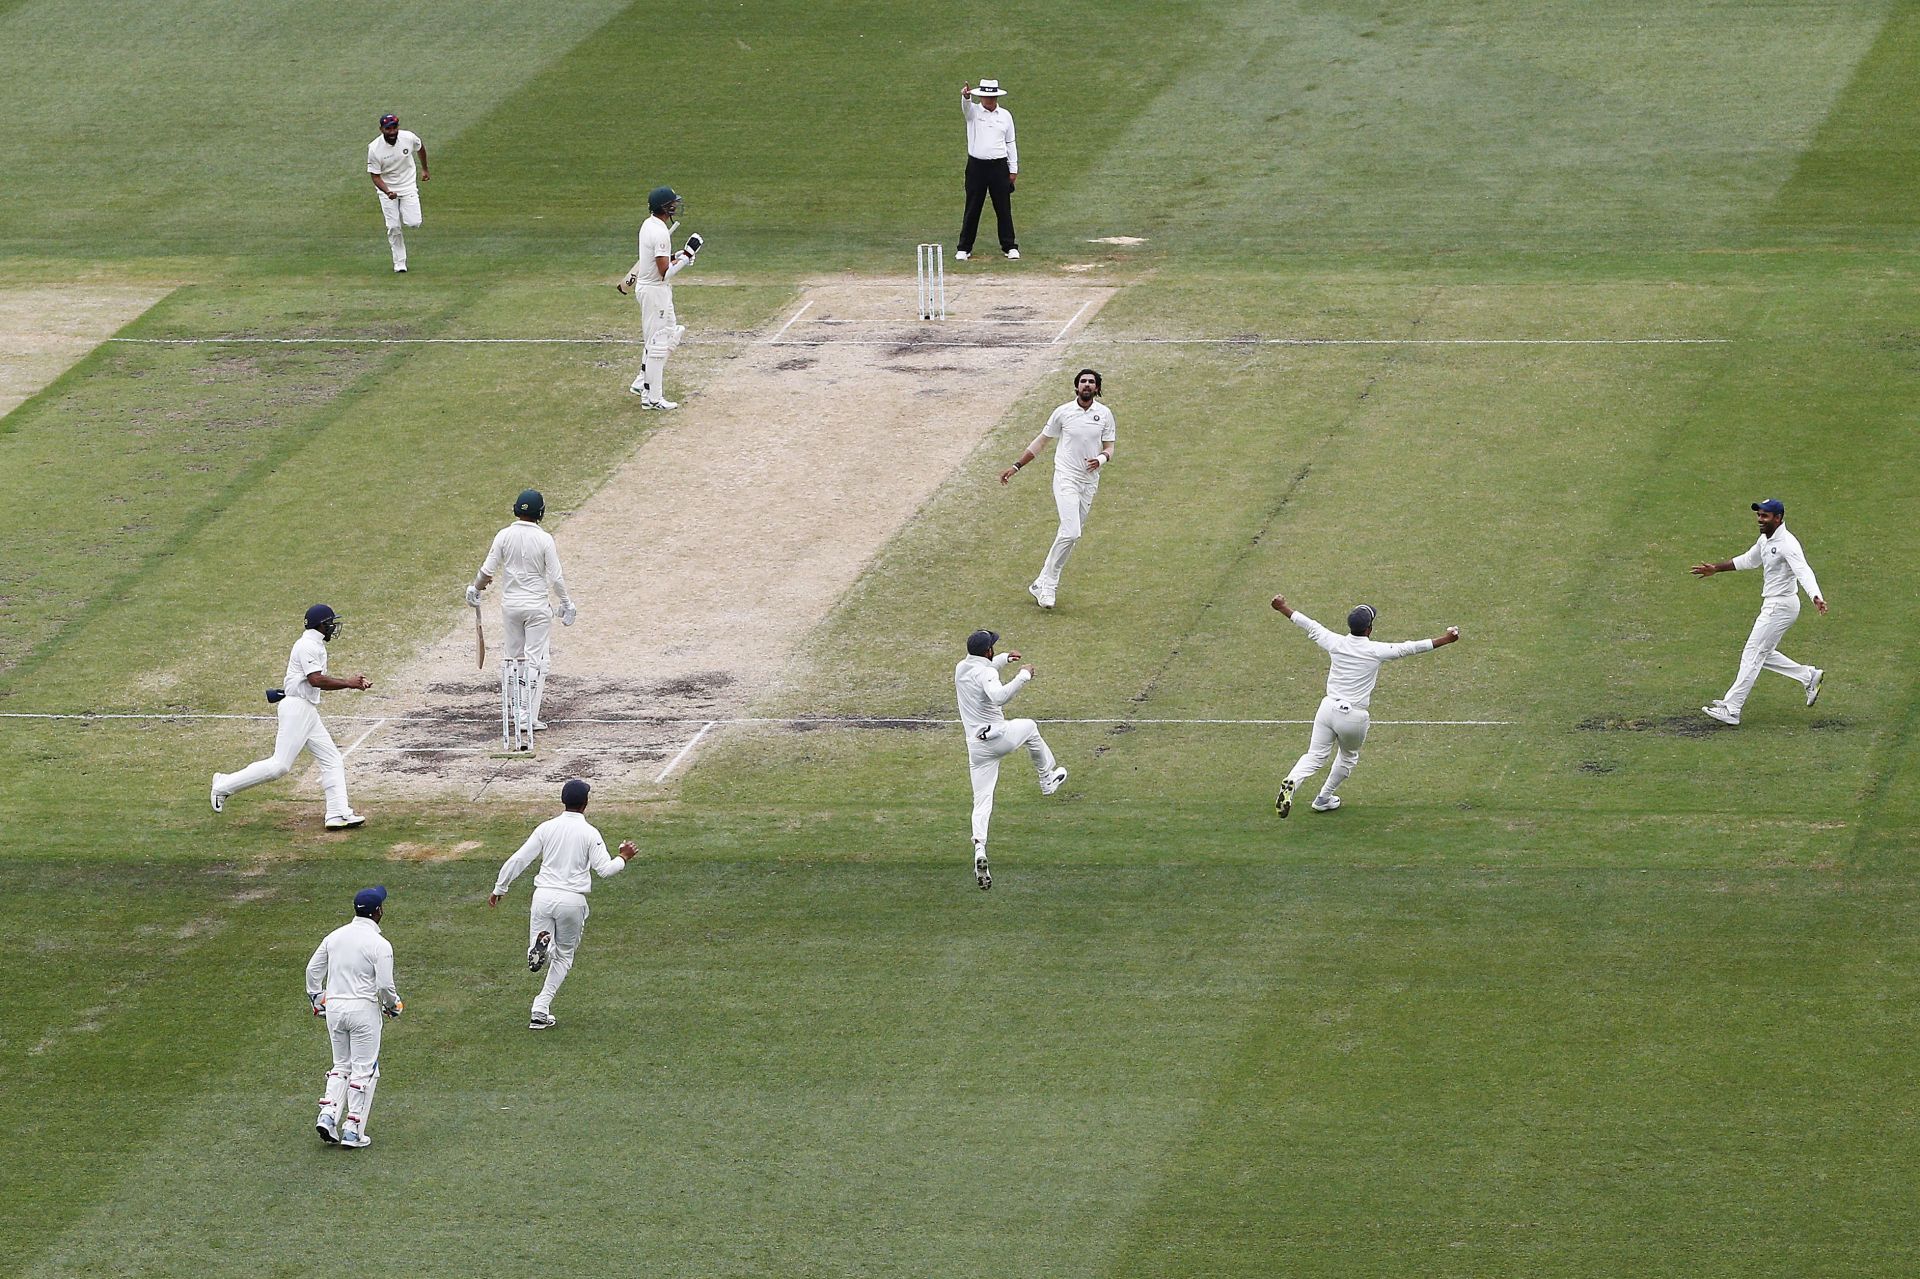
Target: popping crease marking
[(824, 721)]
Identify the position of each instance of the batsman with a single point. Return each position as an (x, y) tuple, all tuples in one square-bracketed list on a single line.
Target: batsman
[(523, 556), (650, 282)]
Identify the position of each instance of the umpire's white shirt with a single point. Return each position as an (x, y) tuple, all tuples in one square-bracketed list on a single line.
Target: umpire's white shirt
[(309, 656), (977, 688), (1356, 659), (527, 564), (394, 161), (990, 134), (571, 852), (1784, 564), (1081, 432), (354, 962)]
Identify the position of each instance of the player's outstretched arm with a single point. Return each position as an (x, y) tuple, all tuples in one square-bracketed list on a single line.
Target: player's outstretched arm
[(1281, 607), (1708, 570), (1450, 636)]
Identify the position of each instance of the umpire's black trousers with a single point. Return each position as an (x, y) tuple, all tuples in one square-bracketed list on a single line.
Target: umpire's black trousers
[(984, 178)]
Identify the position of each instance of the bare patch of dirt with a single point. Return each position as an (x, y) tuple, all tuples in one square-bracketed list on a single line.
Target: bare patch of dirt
[(728, 535), (45, 331), (408, 851)]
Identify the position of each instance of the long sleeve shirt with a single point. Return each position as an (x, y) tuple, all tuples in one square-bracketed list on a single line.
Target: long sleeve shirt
[(354, 962), (571, 852), (1784, 564), (1355, 659), (977, 687), (990, 134), (523, 556)]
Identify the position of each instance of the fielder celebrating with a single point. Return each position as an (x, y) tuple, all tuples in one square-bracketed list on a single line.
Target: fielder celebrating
[(524, 554), (660, 331), (1084, 427), (391, 164), (568, 848), (1786, 574), (350, 983), (1342, 719), (300, 727), (991, 736)]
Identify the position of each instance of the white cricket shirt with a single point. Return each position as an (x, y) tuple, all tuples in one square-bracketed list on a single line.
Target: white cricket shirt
[(1784, 564), (308, 656), (977, 687), (1355, 665), (990, 134), (568, 848), (655, 242), (354, 962), (1081, 432), (393, 161), (525, 561)]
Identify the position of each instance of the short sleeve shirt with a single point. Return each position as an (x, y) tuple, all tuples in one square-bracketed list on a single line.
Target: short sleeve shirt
[(308, 656), (393, 161), (1081, 432), (655, 242)]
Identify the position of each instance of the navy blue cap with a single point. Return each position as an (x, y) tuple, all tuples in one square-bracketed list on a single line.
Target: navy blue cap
[(1773, 506), (980, 643), (389, 120), (368, 900), (574, 793), (1360, 621)]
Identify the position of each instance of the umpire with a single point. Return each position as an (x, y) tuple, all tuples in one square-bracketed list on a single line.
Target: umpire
[(993, 162)]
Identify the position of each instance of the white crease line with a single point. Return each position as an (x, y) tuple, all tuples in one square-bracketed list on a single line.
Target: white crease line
[(922, 323), (804, 308), (363, 737), (809, 721), (684, 752), (1070, 323)]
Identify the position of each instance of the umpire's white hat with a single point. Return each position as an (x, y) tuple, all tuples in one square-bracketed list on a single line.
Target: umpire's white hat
[(988, 89)]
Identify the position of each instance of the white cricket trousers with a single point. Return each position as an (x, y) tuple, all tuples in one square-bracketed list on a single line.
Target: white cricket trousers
[(300, 729), (1776, 615), (1337, 724), (1073, 498), (983, 762), (354, 1027), (529, 633), (660, 333), (564, 915), (403, 212)]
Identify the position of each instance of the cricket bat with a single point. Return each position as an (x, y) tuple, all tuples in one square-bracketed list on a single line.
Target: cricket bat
[(479, 640)]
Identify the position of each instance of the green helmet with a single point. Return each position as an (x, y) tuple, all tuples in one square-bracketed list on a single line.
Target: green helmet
[(663, 200), (530, 505)]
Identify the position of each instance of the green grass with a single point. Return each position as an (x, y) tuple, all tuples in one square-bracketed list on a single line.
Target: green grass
[(1588, 993)]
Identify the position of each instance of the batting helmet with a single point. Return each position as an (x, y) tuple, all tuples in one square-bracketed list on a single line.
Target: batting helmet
[(1360, 621), (663, 200), (530, 505), (323, 619), (981, 642)]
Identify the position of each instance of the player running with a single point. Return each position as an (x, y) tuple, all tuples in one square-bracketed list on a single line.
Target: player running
[(1786, 574), (391, 163), (991, 736), (350, 983), (1084, 427), (1342, 718)]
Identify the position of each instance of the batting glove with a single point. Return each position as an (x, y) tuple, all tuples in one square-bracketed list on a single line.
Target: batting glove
[(567, 613), (319, 1002), (693, 244), (473, 595)]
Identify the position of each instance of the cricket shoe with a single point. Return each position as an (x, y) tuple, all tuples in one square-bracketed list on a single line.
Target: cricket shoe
[(1013, 255), (981, 875), (399, 270), (1053, 781), (1813, 695), (1324, 803), (219, 797), (352, 1138), (537, 953), (1041, 597), (659, 404), (541, 1021), (328, 1127), (1719, 711), (961, 255), (1283, 803), (346, 821)]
